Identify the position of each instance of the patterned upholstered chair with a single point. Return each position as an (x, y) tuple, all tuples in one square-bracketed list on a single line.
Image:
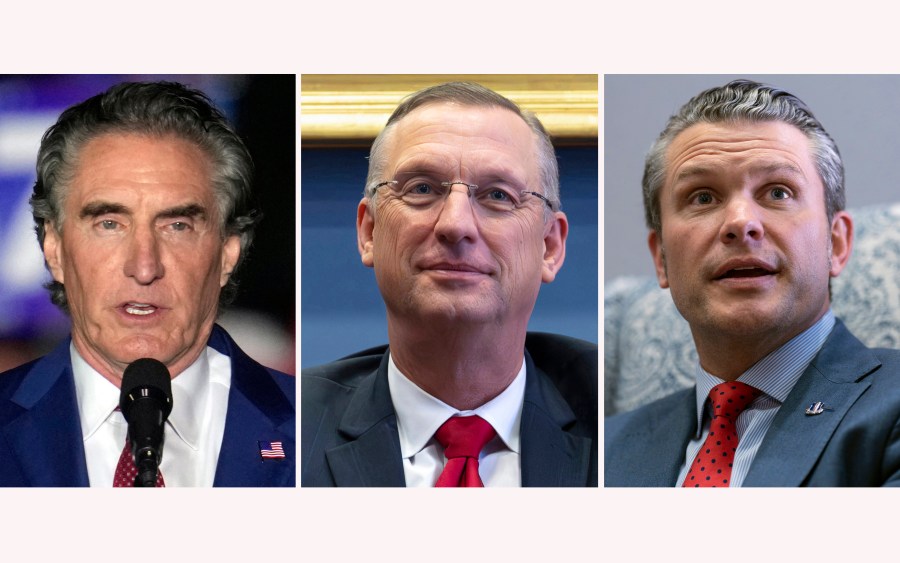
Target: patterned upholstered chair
[(648, 351)]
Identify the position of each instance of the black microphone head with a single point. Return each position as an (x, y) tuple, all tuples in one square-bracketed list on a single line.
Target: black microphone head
[(146, 378)]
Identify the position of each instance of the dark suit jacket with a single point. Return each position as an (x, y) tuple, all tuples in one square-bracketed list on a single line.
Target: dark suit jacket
[(349, 427), (40, 434), (855, 442)]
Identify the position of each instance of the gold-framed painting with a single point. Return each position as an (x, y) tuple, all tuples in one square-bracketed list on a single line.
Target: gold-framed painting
[(350, 109)]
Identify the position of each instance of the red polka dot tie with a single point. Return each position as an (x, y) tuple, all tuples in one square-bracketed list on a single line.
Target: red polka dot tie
[(712, 466), (126, 470), (463, 438)]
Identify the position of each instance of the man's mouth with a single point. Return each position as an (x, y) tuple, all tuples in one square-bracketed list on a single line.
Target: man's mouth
[(737, 268), (139, 309), (455, 267), (747, 272)]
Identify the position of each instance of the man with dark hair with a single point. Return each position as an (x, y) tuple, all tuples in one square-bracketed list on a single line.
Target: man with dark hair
[(460, 220), (744, 199), (143, 209)]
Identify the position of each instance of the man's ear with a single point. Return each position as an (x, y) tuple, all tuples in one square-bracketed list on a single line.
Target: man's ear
[(53, 251), (365, 227), (555, 233), (841, 241), (654, 241), (231, 252)]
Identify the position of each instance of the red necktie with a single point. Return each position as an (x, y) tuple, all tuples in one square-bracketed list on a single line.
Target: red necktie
[(463, 437), (712, 466), (126, 470)]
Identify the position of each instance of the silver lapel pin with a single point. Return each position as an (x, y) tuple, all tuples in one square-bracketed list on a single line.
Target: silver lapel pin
[(816, 408)]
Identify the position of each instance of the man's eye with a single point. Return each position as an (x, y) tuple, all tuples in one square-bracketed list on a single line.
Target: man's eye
[(780, 193), (498, 195), (180, 226), (421, 189), (108, 225), (703, 198)]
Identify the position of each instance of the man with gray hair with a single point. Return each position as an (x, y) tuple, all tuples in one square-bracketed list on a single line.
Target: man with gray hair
[(461, 221), (744, 199), (143, 209)]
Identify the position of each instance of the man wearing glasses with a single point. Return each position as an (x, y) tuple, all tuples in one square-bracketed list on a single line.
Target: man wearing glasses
[(460, 220)]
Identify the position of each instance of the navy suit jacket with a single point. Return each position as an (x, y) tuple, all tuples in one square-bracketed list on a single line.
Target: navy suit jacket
[(854, 442), (349, 428), (40, 433)]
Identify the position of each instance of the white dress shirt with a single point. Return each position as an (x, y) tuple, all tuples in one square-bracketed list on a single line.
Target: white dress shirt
[(419, 415), (194, 430)]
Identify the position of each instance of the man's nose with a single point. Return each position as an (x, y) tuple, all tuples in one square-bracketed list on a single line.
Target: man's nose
[(742, 222), (456, 218), (144, 262)]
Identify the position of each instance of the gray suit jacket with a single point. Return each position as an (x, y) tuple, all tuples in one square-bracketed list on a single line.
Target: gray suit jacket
[(855, 442), (349, 427)]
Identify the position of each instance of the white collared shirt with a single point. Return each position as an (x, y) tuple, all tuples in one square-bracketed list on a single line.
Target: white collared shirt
[(194, 430), (419, 415)]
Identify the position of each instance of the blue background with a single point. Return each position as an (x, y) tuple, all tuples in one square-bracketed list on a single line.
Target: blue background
[(341, 308)]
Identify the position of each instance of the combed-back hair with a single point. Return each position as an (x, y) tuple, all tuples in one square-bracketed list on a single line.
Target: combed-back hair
[(737, 101), (154, 109)]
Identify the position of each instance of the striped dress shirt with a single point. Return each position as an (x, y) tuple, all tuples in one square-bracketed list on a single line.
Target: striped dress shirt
[(775, 375)]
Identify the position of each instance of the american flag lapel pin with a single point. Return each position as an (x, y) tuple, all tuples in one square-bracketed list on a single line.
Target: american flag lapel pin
[(816, 408), (270, 450)]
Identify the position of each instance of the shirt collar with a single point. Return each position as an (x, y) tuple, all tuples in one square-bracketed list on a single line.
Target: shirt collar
[(190, 397), (777, 373), (419, 414), (98, 398)]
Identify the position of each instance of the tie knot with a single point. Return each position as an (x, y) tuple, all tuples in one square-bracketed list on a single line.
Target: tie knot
[(729, 399), (464, 436)]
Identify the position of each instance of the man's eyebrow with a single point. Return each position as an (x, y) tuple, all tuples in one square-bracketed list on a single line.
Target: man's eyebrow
[(419, 169), (98, 208), (438, 170), (689, 172), (778, 168), (188, 210)]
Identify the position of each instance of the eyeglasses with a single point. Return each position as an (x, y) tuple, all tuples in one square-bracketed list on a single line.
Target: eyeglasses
[(494, 198)]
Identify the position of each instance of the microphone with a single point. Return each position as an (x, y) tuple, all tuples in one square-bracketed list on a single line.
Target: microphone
[(146, 401)]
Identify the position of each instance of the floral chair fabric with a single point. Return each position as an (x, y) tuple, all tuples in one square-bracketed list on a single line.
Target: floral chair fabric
[(648, 350)]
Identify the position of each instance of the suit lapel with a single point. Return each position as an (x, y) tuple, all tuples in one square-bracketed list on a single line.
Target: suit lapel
[(257, 411), (371, 457), (652, 455), (45, 439), (681, 421), (794, 442), (555, 452)]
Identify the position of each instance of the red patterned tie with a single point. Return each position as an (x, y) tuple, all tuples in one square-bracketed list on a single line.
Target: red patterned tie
[(126, 470), (712, 466), (463, 437)]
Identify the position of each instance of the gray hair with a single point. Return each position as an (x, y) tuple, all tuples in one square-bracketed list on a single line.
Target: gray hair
[(745, 100), (466, 94), (154, 109)]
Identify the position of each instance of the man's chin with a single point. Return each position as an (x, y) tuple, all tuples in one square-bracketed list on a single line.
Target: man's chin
[(742, 319), (133, 348), (456, 308)]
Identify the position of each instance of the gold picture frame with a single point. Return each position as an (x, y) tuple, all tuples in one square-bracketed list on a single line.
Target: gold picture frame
[(350, 109)]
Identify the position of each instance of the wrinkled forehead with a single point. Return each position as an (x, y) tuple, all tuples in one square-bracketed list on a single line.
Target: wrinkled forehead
[(449, 139), (709, 146), (115, 165)]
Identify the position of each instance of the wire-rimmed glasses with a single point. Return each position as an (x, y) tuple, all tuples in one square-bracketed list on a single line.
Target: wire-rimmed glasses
[(496, 197)]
